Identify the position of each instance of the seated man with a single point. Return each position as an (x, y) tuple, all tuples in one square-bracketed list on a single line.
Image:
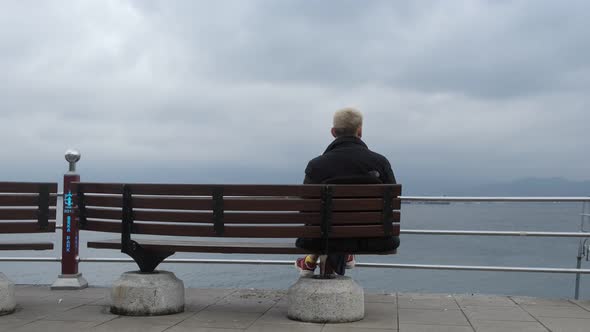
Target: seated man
[(346, 157)]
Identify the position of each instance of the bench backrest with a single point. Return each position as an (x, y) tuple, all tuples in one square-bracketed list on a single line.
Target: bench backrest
[(27, 207), (247, 211)]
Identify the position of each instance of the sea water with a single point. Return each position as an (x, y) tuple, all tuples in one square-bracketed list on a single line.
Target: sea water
[(414, 249)]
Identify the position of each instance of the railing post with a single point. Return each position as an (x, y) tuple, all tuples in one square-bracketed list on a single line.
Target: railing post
[(70, 278), (581, 253)]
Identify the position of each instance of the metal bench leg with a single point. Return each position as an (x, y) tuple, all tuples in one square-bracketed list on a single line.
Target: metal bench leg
[(147, 260), (324, 268)]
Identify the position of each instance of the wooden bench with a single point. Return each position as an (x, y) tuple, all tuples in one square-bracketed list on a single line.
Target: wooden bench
[(250, 212), (24, 208), (27, 208)]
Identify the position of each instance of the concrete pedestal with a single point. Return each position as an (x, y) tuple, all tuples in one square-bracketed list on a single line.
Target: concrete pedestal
[(147, 294), (337, 300), (69, 282), (7, 301)]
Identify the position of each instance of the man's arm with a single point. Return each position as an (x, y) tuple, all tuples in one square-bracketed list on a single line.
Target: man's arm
[(388, 176), (308, 179)]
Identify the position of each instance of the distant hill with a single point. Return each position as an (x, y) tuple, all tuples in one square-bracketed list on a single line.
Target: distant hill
[(532, 187)]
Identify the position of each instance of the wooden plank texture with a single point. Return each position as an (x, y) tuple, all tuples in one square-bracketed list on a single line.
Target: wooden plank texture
[(23, 214), (312, 218), (27, 246), (355, 231), (286, 247), (25, 187), (243, 204), (25, 227), (238, 190), (24, 200)]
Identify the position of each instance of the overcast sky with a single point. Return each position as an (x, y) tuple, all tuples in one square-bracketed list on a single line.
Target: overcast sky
[(453, 92)]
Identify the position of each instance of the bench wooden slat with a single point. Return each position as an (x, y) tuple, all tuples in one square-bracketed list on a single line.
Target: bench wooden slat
[(313, 218), (357, 231), (239, 190), (24, 200), (23, 214), (106, 201), (213, 246), (27, 246), (25, 227), (243, 204), (204, 231), (207, 246), (26, 187), (103, 226)]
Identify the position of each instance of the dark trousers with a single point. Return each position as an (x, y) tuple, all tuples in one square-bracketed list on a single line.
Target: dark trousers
[(337, 249)]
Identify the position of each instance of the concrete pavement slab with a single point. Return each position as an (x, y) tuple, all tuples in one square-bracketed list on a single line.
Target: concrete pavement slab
[(525, 300), (507, 326), (433, 328), (55, 326), (557, 311), (497, 313), (221, 319), (380, 298), (377, 316), (566, 324), (484, 300), (432, 316), (264, 327)]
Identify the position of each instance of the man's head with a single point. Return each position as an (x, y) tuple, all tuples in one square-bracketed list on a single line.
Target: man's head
[(348, 122)]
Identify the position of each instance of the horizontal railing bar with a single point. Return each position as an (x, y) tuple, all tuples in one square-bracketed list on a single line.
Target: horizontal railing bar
[(373, 265), (476, 268), (493, 233), (290, 262), (483, 198), (491, 199), (480, 233), (30, 259)]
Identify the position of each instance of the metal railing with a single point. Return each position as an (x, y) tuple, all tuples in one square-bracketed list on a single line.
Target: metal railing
[(583, 234), (290, 263)]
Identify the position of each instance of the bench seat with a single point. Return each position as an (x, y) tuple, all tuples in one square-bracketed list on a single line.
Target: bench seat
[(27, 246), (213, 246)]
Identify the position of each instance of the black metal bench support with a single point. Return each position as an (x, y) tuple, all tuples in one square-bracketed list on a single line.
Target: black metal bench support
[(146, 259), (387, 212), (43, 213), (326, 228)]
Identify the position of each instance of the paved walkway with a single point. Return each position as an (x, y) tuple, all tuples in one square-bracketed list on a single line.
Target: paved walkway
[(226, 310)]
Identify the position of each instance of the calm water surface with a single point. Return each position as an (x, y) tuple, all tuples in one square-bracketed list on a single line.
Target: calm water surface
[(421, 249)]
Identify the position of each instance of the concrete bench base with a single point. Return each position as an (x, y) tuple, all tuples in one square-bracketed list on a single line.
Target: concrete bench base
[(7, 301), (147, 294), (336, 300)]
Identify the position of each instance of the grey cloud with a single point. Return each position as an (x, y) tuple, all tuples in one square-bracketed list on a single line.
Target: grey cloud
[(484, 49), (244, 90)]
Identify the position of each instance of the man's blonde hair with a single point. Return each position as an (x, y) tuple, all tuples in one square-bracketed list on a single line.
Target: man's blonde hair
[(347, 121)]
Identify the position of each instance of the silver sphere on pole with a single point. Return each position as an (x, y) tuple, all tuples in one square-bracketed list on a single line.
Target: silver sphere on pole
[(72, 157)]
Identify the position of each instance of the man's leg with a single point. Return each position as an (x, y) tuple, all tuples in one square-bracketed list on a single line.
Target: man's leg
[(350, 261), (306, 265)]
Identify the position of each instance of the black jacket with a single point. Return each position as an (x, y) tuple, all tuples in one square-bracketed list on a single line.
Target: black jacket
[(348, 156)]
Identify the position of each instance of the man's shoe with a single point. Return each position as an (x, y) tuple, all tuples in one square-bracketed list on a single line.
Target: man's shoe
[(305, 269), (350, 262)]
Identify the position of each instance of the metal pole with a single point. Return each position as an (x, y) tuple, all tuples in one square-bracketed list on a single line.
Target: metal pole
[(578, 266), (70, 278), (580, 254)]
